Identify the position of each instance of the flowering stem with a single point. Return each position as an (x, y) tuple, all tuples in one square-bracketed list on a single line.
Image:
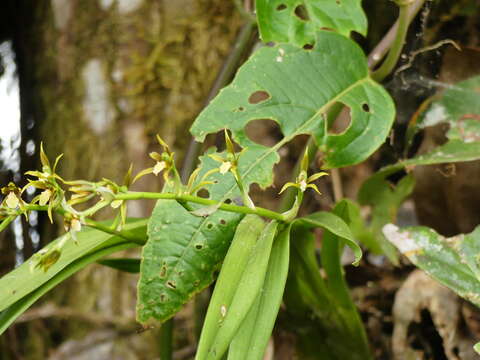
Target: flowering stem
[(293, 211), (132, 195), (92, 210), (123, 234)]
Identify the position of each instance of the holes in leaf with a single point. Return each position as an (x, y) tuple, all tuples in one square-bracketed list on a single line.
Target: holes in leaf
[(258, 96), (265, 132), (222, 221), (163, 298), (241, 108), (228, 201), (163, 271), (366, 107), (203, 193), (281, 7), (308, 46), (209, 226), (171, 284), (342, 122), (302, 13), (199, 246), (196, 283)]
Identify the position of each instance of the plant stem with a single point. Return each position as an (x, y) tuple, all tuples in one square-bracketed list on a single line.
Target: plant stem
[(165, 341), (290, 194), (241, 9), (397, 46), (123, 234), (337, 185), (242, 44), (92, 210), (382, 47), (133, 195), (5, 222)]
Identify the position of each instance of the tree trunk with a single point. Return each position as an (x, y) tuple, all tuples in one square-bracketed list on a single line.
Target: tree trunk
[(100, 79)]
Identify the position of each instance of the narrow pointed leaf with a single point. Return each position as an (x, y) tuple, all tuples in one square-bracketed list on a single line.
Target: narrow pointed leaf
[(123, 264), (252, 337), (451, 261), (335, 225), (8, 315), (241, 250), (26, 278), (247, 291)]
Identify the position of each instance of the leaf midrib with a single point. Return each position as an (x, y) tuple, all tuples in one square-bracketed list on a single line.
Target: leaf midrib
[(298, 131)]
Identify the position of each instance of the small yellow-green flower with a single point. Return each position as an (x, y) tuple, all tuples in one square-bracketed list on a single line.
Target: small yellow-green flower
[(303, 181), (164, 163), (13, 197), (44, 197), (12, 200)]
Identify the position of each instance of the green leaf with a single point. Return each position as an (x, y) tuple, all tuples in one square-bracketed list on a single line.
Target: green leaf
[(476, 347), (451, 261), (27, 277), (295, 88), (332, 249), (9, 315), (240, 251), (253, 335), (297, 21), (306, 290), (359, 229), (385, 199), (180, 258), (335, 225), (458, 106), (247, 291), (308, 293), (123, 264)]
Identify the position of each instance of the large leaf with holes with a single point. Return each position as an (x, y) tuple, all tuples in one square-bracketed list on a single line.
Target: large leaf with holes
[(452, 261), (182, 253), (297, 21), (30, 275), (296, 87)]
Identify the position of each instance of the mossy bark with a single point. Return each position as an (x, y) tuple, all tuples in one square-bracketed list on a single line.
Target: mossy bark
[(100, 79)]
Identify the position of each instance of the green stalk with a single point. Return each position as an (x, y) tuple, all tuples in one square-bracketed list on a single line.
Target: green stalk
[(132, 195), (288, 199), (123, 234), (166, 340), (397, 46), (5, 222), (92, 210)]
